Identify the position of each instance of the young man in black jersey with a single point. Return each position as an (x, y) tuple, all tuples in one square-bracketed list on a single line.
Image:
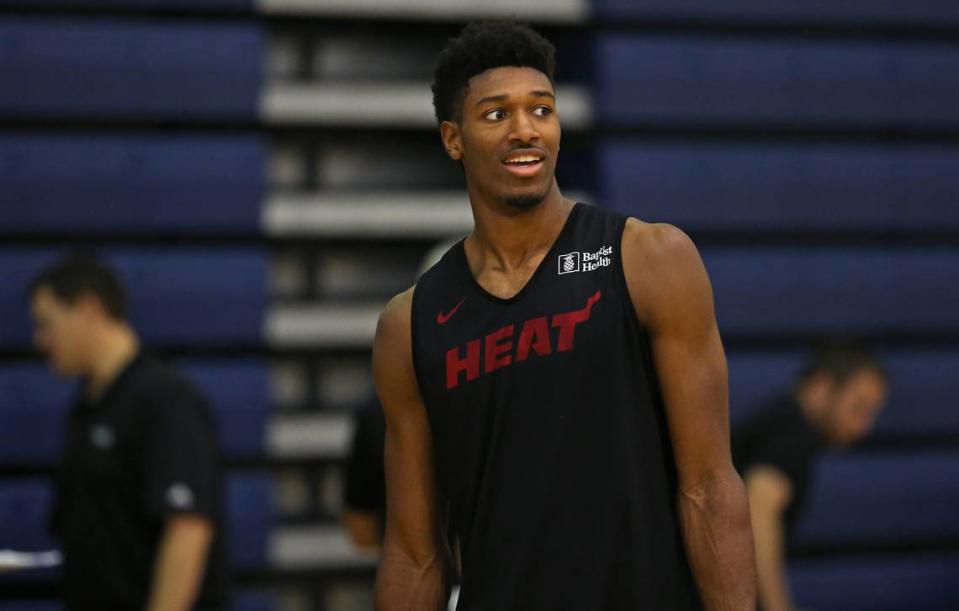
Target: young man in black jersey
[(555, 386)]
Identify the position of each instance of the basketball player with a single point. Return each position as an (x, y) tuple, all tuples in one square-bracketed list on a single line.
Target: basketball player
[(555, 386)]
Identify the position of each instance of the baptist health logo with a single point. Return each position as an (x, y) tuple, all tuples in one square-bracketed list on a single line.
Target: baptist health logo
[(585, 261)]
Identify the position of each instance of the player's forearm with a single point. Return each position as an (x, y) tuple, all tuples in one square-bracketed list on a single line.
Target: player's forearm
[(180, 564), (714, 514), (405, 584)]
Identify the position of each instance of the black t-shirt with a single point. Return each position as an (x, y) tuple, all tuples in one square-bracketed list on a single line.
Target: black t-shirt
[(145, 451), (365, 477), (549, 432), (780, 436)]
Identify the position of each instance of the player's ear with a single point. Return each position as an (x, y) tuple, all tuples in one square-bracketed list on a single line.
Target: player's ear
[(452, 142)]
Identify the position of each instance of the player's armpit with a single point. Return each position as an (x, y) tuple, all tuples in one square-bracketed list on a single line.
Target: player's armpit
[(413, 572)]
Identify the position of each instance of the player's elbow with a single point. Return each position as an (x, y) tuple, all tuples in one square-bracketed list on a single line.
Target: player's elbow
[(717, 493)]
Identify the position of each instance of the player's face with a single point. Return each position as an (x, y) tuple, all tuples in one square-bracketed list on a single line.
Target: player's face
[(58, 332), (856, 405), (508, 136)]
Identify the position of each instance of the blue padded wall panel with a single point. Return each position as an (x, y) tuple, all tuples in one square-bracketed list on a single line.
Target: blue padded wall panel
[(104, 183), (250, 516), (817, 291), (152, 5), (178, 296), (26, 502), (923, 583), (739, 186), (124, 69), (922, 391), (34, 406), (25, 505), (705, 81), (927, 12), (881, 498)]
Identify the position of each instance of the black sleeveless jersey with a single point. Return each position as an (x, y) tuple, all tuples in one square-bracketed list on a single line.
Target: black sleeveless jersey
[(549, 433)]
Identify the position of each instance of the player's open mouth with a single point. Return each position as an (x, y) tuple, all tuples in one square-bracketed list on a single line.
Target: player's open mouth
[(524, 164)]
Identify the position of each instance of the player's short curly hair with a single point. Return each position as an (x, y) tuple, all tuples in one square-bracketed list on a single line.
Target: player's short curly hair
[(480, 47)]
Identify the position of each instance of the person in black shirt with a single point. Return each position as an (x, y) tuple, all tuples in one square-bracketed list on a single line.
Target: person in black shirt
[(834, 404), (364, 492), (555, 386), (138, 492)]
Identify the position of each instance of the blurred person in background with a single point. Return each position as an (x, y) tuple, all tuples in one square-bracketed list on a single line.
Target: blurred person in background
[(833, 404), (138, 491), (364, 491), (555, 386)]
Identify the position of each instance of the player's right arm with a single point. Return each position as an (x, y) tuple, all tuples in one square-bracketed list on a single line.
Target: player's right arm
[(413, 572), (769, 492)]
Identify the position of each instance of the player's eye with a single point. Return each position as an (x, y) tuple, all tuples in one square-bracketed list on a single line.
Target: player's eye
[(495, 115), (542, 111)]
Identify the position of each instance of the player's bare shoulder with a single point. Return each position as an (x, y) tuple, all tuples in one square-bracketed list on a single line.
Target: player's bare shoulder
[(393, 330), (393, 372), (661, 264)]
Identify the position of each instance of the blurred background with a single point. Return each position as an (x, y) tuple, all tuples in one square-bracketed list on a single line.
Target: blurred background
[(264, 175)]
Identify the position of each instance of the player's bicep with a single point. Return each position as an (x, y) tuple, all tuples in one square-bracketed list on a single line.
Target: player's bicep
[(411, 498), (674, 301)]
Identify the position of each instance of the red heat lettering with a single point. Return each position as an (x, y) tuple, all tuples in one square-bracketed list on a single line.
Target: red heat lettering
[(471, 364), (498, 345), (494, 349), (535, 335)]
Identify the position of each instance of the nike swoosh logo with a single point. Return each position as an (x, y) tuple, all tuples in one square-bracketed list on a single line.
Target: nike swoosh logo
[(442, 318)]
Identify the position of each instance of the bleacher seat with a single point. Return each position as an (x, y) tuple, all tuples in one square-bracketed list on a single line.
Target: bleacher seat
[(152, 5), (155, 184), (182, 296), (34, 404), (921, 393), (120, 69), (693, 80), (782, 291), (924, 583), (928, 12), (25, 504), (873, 498), (723, 186)]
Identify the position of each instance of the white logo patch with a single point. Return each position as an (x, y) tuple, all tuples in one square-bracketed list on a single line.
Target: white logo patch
[(179, 496), (585, 261), (569, 263), (102, 437)]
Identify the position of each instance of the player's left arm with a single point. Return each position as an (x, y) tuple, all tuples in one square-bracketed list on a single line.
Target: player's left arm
[(671, 293)]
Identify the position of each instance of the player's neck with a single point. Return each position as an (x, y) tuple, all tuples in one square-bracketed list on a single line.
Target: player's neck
[(507, 238)]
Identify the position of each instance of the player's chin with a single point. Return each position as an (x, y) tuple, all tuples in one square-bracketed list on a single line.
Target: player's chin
[(525, 199)]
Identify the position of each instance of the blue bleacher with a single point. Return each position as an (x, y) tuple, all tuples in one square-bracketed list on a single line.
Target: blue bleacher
[(25, 504), (152, 5), (54, 67), (927, 12), (875, 499), (179, 296), (777, 291), (34, 404), (925, 583), (724, 186), (244, 600), (921, 395), (131, 184), (694, 80)]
